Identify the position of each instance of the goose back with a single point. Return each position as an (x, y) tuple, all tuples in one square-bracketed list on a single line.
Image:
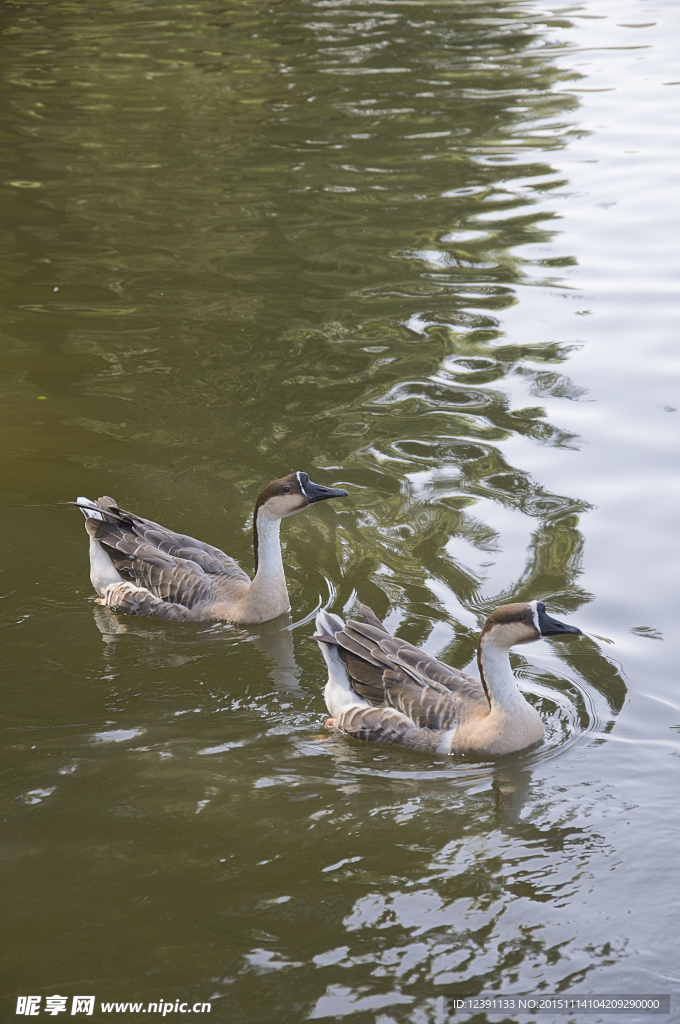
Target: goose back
[(387, 672), (173, 567)]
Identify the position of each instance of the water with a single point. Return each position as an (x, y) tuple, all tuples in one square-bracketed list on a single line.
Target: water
[(424, 251)]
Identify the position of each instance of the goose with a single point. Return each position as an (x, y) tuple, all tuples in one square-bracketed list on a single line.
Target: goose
[(383, 689), (141, 568)]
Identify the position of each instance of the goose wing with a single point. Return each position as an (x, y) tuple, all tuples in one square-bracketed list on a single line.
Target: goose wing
[(389, 672), (172, 566)]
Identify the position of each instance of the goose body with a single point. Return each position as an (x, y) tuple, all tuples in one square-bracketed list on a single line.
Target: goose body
[(383, 689), (142, 568)]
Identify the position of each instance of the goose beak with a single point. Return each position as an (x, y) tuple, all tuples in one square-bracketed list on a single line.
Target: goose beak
[(317, 492), (551, 627)]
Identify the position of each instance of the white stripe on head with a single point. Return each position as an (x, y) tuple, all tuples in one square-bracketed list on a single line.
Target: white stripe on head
[(534, 609), (301, 487)]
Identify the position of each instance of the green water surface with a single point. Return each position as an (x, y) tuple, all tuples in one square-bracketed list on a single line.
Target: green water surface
[(425, 251)]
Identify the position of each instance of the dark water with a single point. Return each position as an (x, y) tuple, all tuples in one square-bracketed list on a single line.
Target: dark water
[(424, 251)]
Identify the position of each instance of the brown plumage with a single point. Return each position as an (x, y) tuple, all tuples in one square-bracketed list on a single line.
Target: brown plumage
[(384, 689), (142, 568)]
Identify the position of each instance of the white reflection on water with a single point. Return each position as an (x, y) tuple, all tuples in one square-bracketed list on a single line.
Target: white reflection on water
[(117, 735)]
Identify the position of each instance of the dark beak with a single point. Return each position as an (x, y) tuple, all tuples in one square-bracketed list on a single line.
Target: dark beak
[(550, 626), (317, 492)]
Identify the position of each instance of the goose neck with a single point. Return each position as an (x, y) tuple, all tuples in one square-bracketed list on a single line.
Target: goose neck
[(496, 674), (267, 546), (267, 596)]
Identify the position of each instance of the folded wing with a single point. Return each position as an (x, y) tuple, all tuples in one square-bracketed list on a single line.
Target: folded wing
[(391, 673), (171, 566)]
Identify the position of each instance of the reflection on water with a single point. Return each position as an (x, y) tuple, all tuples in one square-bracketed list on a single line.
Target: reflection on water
[(243, 239), (155, 641), (275, 641)]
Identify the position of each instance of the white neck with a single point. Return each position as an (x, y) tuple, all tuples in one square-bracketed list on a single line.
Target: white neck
[(269, 560), (267, 595), (494, 665)]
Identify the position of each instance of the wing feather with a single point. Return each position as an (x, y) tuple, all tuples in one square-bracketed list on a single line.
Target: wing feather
[(172, 566), (391, 673), (386, 725)]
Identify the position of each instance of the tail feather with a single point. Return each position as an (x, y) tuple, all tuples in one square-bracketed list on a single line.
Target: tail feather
[(369, 617), (338, 693), (104, 509), (103, 572), (328, 624), (90, 509)]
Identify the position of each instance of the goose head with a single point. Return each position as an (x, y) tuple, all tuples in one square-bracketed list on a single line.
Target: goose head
[(522, 623), (291, 494)]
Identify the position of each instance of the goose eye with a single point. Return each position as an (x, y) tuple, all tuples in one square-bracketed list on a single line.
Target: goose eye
[(286, 489)]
